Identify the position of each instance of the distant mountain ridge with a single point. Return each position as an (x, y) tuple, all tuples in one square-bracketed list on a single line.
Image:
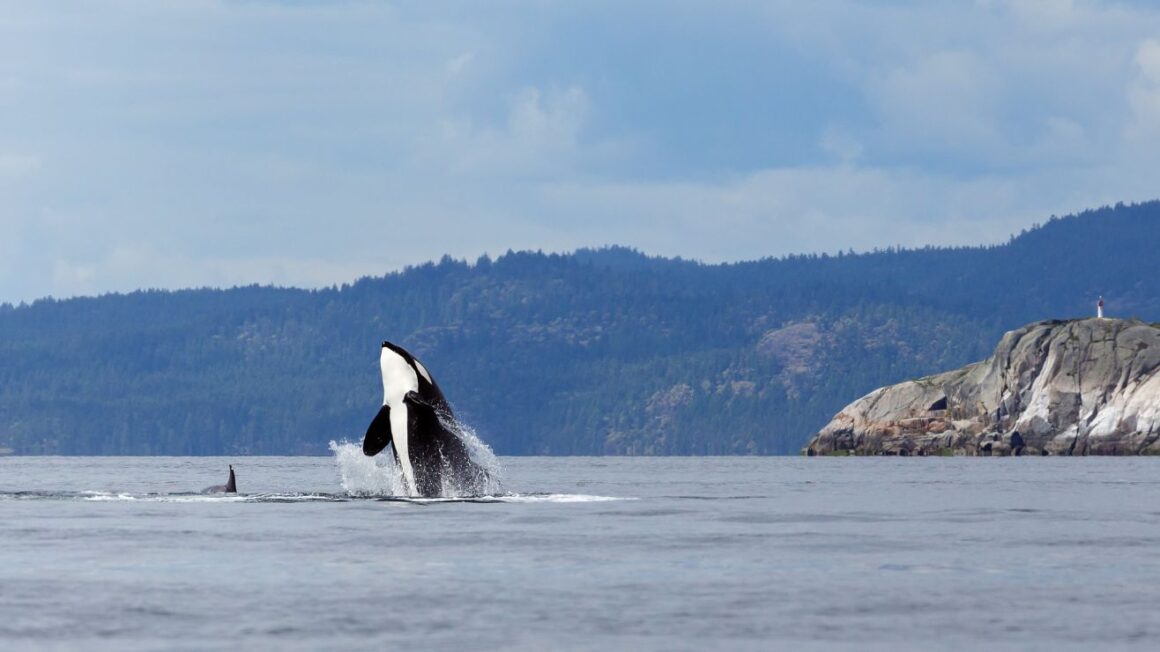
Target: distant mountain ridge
[(602, 351)]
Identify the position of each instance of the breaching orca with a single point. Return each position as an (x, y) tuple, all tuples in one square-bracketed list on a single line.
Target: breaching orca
[(417, 421), (230, 487)]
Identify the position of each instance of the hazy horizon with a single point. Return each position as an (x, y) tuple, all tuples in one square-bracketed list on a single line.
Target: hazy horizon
[(472, 261)]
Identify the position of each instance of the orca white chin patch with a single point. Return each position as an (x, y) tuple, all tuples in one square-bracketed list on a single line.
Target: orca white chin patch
[(399, 377)]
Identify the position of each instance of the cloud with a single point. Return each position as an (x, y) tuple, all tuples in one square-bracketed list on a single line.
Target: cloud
[(12, 165), (845, 147), (459, 64), (800, 210), (166, 144), (1042, 14), (126, 264), (539, 136), (942, 101), (1144, 93)]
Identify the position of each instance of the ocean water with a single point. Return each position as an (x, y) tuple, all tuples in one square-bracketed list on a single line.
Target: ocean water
[(584, 554)]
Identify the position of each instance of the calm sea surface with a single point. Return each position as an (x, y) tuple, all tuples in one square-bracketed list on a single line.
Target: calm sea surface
[(586, 554)]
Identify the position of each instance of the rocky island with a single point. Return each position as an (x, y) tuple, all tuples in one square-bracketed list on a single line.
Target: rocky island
[(1078, 387)]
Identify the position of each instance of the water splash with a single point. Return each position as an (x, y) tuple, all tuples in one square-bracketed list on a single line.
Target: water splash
[(380, 475), (491, 482), (367, 476)]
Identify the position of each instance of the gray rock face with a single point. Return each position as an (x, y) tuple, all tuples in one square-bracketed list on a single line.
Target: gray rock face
[(1084, 387)]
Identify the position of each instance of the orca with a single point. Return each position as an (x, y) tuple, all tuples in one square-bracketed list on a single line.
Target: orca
[(417, 422), (230, 487)]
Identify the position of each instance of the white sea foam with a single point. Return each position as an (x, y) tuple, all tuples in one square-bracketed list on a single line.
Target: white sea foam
[(510, 498), (294, 497), (122, 496), (100, 496), (105, 496), (556, 498)]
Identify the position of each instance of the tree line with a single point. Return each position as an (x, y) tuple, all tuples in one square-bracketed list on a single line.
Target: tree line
[(601, 351)]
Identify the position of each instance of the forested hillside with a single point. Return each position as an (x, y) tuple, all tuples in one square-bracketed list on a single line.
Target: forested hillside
[(597, 352)]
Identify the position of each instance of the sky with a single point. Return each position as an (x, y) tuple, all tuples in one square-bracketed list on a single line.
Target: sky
[(191, 143)]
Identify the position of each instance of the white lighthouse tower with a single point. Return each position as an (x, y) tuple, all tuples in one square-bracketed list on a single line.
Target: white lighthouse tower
[(1100, 308)]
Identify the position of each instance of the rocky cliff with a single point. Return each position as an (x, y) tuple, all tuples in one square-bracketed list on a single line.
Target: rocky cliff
[(1083, 387)]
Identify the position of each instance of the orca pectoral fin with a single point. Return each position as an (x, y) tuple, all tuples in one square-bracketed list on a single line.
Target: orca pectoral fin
[(421, 415), (378, 433), (413, 399)]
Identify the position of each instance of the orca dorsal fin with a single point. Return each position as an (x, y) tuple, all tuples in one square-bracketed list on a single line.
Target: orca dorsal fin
[(232, 483)]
